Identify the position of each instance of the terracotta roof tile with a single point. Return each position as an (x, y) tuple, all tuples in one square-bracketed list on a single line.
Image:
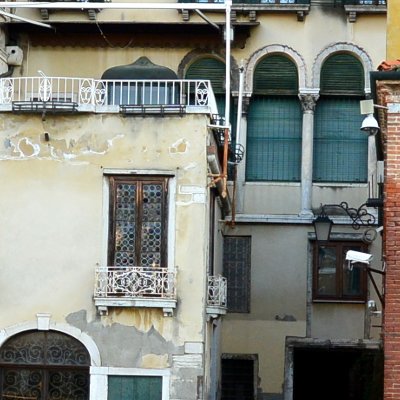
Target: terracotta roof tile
[(388, 65)]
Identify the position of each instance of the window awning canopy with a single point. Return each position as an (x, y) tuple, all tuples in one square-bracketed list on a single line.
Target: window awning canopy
[(142, 68)]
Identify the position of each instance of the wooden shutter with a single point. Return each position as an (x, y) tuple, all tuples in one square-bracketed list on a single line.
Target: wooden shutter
[(276, 74), (134, 388), (274, 139), (342, 73), (210, 69), (340, 148)]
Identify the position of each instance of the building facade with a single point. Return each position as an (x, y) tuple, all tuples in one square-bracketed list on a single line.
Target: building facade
[(122, 234)]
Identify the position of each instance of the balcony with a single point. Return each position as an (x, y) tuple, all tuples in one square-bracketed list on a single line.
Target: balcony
[(134, 287), (128, 97), (216, 296), (355, 7), (44, 12), (250, 7)]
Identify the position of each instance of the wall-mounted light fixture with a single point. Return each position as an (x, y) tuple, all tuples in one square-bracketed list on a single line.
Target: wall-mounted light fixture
[(370, 124), (359, 217)]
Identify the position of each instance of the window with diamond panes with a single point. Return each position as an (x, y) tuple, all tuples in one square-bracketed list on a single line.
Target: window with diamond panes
[(137, 222), (44, 365)]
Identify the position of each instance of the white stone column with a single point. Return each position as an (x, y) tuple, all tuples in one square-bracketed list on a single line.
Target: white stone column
[(308, 102)]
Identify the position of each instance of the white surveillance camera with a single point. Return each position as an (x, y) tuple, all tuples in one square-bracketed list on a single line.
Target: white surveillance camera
[(358, 257)]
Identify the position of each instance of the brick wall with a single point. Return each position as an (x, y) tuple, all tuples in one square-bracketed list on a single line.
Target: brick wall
[(391, 249)]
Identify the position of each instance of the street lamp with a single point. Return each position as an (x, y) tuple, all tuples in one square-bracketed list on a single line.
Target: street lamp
[(322, 226), (359, 217)]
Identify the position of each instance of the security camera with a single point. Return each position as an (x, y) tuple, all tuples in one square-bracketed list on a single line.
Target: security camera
[(370, 125), (358, 257), (371, 305)]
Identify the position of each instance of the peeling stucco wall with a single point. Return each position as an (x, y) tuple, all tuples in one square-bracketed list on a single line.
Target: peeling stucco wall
[(53, 190)]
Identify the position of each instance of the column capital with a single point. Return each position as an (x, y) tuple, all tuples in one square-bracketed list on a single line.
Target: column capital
[(308, 101)]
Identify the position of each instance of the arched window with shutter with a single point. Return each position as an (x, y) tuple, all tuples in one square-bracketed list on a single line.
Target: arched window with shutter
[(213, 70), (274, 122), (340, 149)]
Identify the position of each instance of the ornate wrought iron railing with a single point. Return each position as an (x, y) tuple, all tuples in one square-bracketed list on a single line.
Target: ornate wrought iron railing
[(134, 282), (217, 291), (91, 95), (365, 2)]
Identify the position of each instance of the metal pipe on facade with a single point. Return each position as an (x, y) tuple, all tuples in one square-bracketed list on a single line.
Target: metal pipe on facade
[(240, 103), (113, 6), (228, 5)]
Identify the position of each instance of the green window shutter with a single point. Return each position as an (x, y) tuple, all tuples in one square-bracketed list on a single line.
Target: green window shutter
[(276, 74), (134, 388), (274, 139), (340, 148), (342, 74), (210, 69)]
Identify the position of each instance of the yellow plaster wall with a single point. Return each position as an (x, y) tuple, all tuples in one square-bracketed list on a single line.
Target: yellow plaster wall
[(54, 226), (393, 30)]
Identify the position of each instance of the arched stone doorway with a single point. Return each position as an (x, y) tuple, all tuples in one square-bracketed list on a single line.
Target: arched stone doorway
[(44, 365)]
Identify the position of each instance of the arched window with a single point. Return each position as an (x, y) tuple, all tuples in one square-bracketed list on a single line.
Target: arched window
[(44, 365), (213, 70), (340, 149), (274, 122)]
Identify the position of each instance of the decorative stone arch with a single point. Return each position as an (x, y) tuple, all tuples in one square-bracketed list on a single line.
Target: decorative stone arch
[(197, 54), (43, 323), (342, 47), (274, 49)]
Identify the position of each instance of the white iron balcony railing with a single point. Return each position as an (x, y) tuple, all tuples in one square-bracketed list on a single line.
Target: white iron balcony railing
[(217, 295), (134, 287), (89, 95)]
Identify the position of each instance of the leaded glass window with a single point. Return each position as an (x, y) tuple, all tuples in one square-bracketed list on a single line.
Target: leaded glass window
[(137, 221), (44, 365)]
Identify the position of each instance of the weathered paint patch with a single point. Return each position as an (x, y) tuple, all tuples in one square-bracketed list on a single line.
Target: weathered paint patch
[(130, 346), (154, 361), (180, 146)]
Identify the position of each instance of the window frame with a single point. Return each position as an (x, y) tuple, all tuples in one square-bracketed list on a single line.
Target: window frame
[(170, 201), (140, 181), (244, 308), (340, 297)]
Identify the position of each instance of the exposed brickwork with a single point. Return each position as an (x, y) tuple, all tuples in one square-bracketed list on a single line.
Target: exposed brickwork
[(391, 331)]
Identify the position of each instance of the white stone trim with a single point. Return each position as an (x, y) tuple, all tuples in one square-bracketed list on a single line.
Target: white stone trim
[(274, 48), (355, 50), (119, 171), (76, 333), (99, 379)]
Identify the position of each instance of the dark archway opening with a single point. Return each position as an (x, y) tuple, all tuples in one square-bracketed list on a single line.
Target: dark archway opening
[(337, 374)]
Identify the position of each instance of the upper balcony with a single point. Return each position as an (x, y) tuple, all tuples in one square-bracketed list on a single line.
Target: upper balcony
[(134, 287), (216, 296), (251, 7), (355, 7), (128, 97)]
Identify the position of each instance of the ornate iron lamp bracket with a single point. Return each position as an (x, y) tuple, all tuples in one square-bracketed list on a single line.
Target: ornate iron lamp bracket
[(359, 216)]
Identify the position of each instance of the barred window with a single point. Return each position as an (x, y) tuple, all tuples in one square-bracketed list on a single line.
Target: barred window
[(236, 260)]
